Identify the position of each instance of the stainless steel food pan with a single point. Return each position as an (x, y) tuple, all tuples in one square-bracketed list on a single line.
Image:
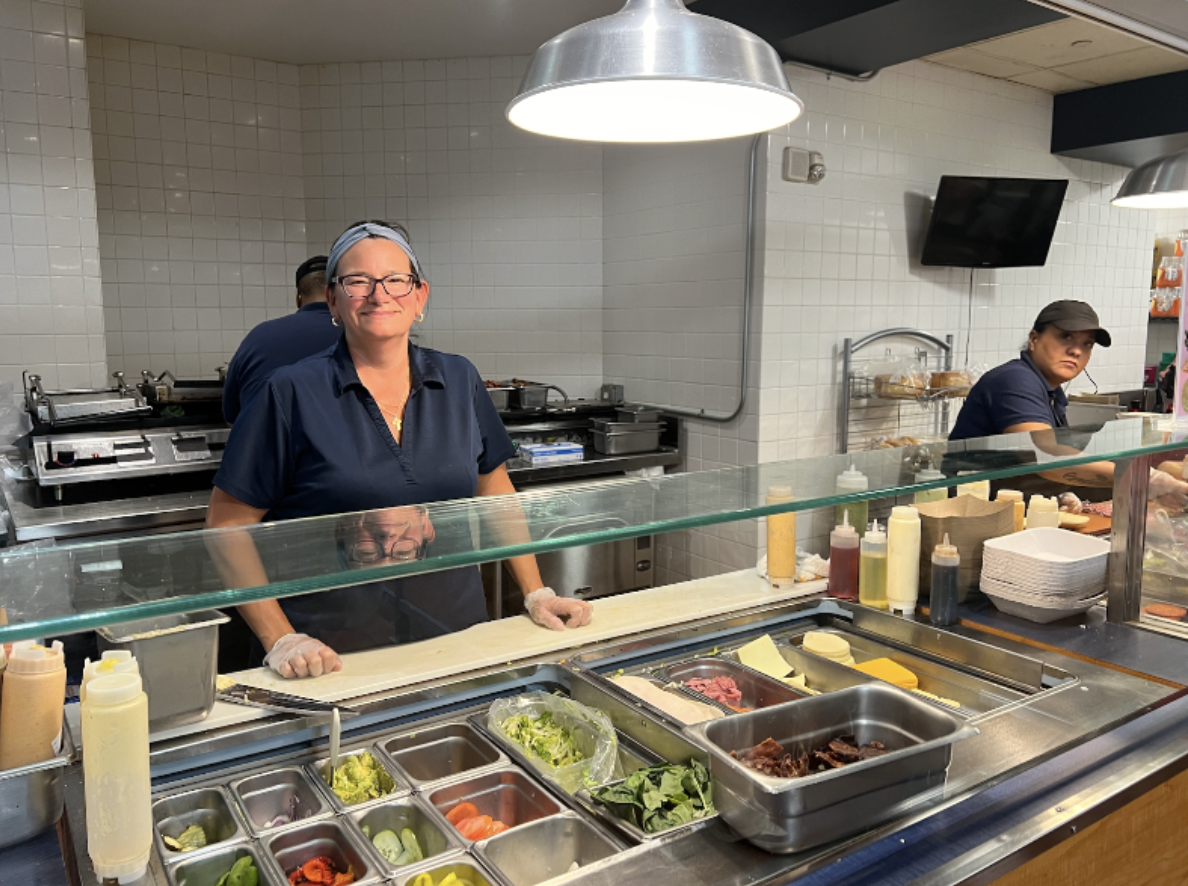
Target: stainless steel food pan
[(440, 752), (264, 797), (507, 795), (790, 815), (975, 694), (545, 849), (625, 443), (629, 829), (435, 837), (608, 426), (464, 867), (501, 397), (208, 868), (31, 797), (665, 686), (206, 807), (295, 846), (178, 659), (391, 783), (757, 690), (821, 674), (632, 412)]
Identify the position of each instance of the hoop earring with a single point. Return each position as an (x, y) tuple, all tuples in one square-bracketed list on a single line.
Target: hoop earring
[(420, 318), (334, 321)]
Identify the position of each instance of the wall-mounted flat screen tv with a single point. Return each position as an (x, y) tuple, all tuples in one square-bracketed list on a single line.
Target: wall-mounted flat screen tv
[(993, 222)]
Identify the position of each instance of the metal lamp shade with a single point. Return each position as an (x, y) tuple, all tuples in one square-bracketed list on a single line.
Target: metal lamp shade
[(1158, 184), (654, 72)]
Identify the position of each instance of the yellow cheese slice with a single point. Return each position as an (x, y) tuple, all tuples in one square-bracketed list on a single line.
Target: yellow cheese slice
[(762, 656), (1073, 520), (826, 645), (886, 669)]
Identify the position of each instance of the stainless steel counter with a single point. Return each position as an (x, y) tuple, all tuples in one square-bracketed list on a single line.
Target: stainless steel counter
[(1083, 740)]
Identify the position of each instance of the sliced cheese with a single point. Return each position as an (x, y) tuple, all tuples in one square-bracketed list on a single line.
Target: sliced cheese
[(682, 709), (886, 669), (827, 645), (761, 655)]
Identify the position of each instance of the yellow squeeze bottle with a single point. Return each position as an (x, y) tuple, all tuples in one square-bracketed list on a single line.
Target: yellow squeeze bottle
[(872, 569), (781, 540), (114, 661), (34, 694), (116, 777)]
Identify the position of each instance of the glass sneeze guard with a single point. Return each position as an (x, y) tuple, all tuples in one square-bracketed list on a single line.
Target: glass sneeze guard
[(58, 590)]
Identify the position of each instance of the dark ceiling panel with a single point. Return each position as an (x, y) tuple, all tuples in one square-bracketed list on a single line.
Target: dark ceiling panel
[(858, 36), (1124, 123)]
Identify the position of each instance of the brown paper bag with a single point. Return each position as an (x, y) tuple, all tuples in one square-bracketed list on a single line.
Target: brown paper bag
[(970, 522)]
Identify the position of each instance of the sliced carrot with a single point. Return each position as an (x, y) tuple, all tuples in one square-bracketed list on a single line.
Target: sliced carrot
[(460, 812)]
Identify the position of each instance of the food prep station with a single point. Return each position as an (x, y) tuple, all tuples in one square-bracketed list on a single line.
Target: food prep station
[(1017, 707)]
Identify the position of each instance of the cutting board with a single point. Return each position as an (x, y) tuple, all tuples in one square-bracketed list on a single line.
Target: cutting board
[(1097, 525), (506, 641)]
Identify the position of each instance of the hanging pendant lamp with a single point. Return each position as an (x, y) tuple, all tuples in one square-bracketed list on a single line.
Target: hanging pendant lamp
[(1158, 184), (654, 72)]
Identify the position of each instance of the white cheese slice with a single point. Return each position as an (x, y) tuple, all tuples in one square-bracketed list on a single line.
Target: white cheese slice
[(762, 656)]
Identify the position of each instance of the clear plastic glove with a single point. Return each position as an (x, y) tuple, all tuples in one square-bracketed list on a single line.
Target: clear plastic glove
[(300, 655), (547, 609), (1167, 490)]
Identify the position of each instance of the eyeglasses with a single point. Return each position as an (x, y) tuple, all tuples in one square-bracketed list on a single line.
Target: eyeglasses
[(400, 550), (361, 286)]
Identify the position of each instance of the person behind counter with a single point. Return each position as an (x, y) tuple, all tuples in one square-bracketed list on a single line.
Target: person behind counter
[(282, 341), (374, 423), (1027, 394)]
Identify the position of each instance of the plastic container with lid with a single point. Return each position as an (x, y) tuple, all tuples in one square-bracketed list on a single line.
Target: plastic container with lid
[(945, 594), (116, 778), (852, 481), (930, 475), (843, 560), (903, 560), (872, 569), (1016, 497), (113, 661), (33, 697), (1043, 512), (781, 540)]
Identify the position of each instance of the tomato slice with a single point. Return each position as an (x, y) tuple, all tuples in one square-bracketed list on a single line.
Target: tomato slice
[(460, 812), (474, 828)]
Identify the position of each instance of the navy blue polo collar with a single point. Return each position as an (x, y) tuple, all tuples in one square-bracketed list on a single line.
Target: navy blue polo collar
[(315, 306), (424, 369), (1057, 393)]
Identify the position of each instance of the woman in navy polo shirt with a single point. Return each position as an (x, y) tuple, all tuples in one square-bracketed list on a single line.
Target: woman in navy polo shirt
[(374, 422)]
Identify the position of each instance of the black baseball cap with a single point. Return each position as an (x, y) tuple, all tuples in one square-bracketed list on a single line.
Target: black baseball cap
[(1073, 316), (317, 263)]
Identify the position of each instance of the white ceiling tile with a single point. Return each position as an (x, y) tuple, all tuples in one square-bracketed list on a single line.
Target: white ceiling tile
[(1060, 43), (967, 59), (1051, 81), (1145, 62)]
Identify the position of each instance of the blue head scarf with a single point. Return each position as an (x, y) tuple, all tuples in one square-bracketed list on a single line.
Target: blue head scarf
[(351, 236)]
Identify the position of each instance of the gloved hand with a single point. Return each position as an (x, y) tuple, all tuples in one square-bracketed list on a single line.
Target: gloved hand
[(547, 609), (300, 655), (1167, 490)]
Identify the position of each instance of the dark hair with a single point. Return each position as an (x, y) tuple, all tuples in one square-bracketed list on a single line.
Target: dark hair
[(312, 285), (394, 226)]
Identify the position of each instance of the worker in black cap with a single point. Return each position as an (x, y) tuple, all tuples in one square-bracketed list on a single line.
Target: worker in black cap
[(283, 341), (1026, 394)]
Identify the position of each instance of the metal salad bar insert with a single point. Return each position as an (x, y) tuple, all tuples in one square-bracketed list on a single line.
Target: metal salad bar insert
[(985, 711)]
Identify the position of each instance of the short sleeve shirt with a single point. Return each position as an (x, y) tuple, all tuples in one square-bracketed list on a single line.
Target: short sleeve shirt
[(1011, 394), (271, 345), (314, 442)]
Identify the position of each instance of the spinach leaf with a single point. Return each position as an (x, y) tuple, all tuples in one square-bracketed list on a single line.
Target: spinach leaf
[(660, 797)]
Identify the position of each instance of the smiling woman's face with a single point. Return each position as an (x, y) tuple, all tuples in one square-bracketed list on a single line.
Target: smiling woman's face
[(1061, 356), (379, 316)]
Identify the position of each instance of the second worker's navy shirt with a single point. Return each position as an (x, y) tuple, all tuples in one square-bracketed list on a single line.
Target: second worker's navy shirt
[(1011, 394), (315, 443), (271, 345)]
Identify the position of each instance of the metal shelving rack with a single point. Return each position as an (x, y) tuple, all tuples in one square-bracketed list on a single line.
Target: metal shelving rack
[(860, 412)]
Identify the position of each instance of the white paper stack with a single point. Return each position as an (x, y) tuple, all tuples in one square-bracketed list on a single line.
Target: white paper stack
[(1044, 574)]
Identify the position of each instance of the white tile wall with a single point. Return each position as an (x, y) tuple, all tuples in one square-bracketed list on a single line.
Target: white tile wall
[(51, 316), (508, 225), (201, 200)]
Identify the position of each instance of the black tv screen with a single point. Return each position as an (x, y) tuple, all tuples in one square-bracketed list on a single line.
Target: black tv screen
[(993, 222)]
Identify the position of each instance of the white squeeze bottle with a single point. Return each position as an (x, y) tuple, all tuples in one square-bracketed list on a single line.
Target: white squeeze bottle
[(852, 480), (903, 560), (116, 776), (33, 696), (114, 661), (924, 496), (1043, 512)]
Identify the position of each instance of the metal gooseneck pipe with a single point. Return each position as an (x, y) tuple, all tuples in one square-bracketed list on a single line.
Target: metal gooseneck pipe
[(748, 288)]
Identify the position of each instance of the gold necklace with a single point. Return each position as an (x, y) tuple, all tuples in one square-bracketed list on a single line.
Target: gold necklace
[(397, 422)]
